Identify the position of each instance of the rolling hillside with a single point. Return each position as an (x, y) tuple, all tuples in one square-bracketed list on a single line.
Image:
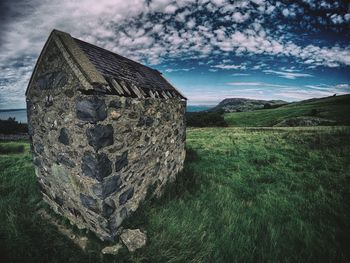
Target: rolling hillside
[(328, 111), (241, 104)]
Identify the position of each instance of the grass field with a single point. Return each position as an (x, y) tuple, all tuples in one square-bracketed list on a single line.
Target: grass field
[(333, 108), (245, 195)]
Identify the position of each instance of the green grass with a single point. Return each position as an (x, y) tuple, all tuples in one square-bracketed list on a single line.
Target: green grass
[(333, 108), (245, 195)]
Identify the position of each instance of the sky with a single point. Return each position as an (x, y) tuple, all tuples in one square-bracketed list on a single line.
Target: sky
[(209, 50)]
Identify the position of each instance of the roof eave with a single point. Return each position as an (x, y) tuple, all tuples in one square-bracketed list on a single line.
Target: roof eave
[(180, 93)]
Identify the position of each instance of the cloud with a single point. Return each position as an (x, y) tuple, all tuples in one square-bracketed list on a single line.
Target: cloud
[(12, 87), (288, 13), (342, 86), (256, 84), (170, 9), (239, 18), (300, 94), (191, 23), (179, 69), (288, 74), (338, 19), (240, 74), (223, 66)]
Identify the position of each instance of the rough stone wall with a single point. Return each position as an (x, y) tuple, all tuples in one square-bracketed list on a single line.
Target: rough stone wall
[(96, 156)]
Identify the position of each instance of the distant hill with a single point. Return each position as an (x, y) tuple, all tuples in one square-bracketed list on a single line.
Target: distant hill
[(333, 110), (241, 104)]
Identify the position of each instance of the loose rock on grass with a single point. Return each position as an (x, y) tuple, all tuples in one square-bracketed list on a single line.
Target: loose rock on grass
[(133, 239)]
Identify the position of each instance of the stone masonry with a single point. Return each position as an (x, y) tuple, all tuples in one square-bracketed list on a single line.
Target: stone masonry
[(96, 154)]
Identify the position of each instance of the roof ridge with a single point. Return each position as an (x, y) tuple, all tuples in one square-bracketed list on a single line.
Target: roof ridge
[(99, 66), (116, 54), (80, 57)]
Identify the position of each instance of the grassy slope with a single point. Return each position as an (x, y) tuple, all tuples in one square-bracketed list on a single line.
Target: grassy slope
[(246, 195), (334, 108)]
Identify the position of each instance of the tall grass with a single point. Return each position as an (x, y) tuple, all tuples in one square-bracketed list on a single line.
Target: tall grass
[(245, 195)]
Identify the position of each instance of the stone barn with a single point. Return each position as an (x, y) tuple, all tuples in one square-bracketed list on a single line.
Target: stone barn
[(105, 131)]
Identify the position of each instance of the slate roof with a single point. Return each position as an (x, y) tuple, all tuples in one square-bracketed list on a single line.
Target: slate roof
[(126, 77)]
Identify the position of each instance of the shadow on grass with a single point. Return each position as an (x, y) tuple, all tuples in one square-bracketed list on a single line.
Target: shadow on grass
[(11, 148)]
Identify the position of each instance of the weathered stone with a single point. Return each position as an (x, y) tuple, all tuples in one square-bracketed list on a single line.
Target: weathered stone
[(42, 186), (30, 129), (133, 115), (127, 103), (117, 219), (52, 80), (91, 109), (126, 129), (116, 104), (108, 187), (43, 128), (145, 121), (124, 197), (112, 250), (108, 208), (89, 202), (39, 148), (37, 161), (100, 136), (147, 102), (74, 211), (64, 137), (58, 200), (64, 159), (116, 147), (166, 116), (49, 101), (69, 93), (115, 115), (121, 161), (123, 213), (133, 239), (59, 173), (97, 166)]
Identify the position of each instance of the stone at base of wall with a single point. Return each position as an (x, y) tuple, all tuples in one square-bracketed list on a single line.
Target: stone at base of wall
[(112, 250), (133, 239)]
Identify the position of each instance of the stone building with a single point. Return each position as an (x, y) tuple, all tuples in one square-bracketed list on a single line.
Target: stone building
[(105, 130)]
